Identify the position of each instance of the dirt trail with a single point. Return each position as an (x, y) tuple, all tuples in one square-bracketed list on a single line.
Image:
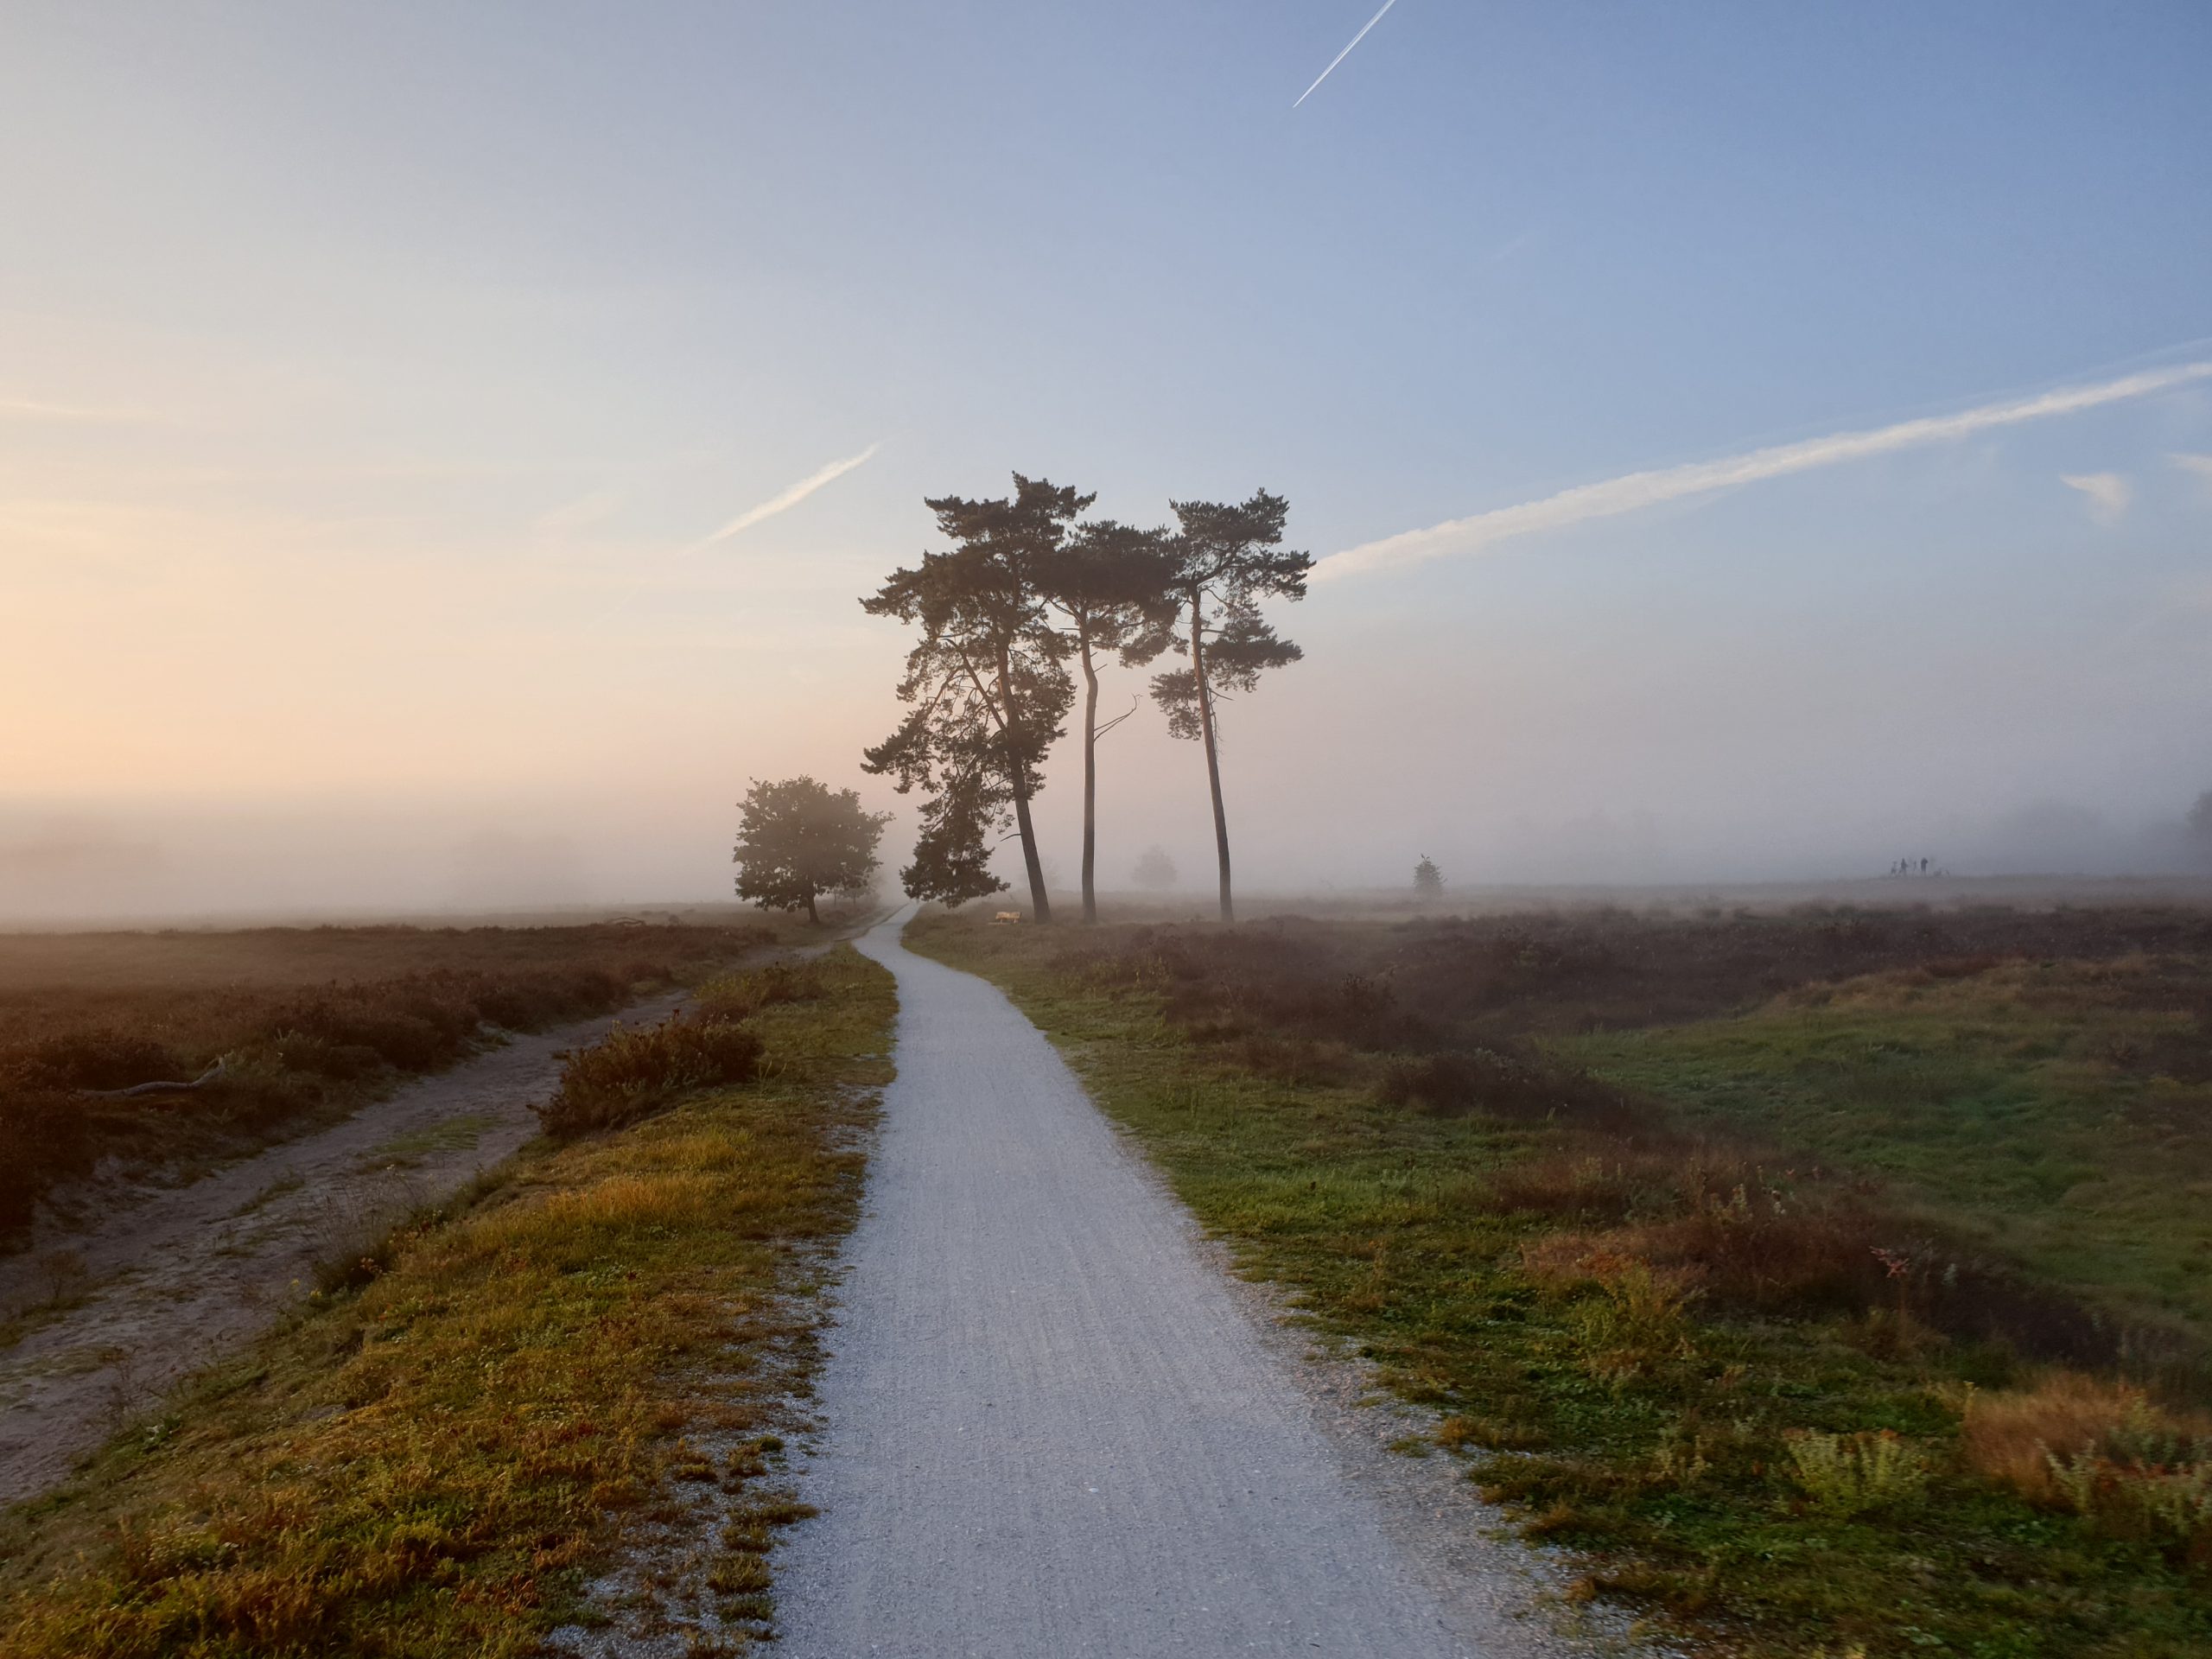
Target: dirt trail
[(177, 1277), (1052, 1427)]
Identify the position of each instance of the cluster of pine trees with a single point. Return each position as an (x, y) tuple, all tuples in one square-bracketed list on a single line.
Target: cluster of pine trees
[(1030, 587)]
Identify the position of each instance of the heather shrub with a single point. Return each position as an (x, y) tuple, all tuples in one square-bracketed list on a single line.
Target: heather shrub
[(98, 1058), (46, 1139), (1452, 1082), (732, 997), (634, 1071)]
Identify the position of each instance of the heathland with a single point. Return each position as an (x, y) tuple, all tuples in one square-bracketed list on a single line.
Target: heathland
[(587, 1364), (1832, 1279), (307, 1024)]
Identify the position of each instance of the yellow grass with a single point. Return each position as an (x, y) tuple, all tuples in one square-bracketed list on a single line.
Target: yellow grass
[(434, 1466)]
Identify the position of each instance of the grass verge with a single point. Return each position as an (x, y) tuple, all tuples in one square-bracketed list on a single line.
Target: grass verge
[(1665, 1352), (433, 1460)]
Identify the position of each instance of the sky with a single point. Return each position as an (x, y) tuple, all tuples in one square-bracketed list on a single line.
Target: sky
[(441, 447)]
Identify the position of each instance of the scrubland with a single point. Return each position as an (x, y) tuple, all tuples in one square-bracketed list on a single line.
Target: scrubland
[(1831, 1278), (600, 1349), (308, 1023)]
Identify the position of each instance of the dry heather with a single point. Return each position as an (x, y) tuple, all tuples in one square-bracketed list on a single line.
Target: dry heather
[(307, 1021), (439, 1461)]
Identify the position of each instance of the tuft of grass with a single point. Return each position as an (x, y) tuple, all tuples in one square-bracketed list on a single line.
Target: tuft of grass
[(1849, 1475), (436, 1458)]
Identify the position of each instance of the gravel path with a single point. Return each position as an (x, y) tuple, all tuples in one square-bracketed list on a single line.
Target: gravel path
[(1052, 1427), (178, 1277)]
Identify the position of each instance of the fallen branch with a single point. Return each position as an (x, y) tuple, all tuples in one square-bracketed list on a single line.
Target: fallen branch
[(138, 1089)]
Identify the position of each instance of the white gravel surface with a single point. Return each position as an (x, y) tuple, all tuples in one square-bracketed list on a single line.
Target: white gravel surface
[(1052, 1427)]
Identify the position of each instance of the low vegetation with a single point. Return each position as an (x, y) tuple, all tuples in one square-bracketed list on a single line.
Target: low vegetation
[(631, 1071), (1603, 1189), (308, 1022), (435, 1457)]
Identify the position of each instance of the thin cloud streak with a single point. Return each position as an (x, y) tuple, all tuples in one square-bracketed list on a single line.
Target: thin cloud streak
[(1346, 52), (2108, 493), (790, 499), (1635, 491), (2201, 465)]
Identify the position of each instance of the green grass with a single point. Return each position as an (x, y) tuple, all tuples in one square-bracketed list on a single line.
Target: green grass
[(2033, 1103), (433, 1463), (1776, 1485)]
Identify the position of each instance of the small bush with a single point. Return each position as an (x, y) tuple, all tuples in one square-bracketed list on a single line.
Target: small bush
[(1453, 1082), (2104, 1450), (1848, 1475), (732, 997), (631, 1071), (1637, 1321)]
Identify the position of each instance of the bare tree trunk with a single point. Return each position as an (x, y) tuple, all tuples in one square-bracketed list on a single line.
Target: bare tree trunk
[(811, 915), (1213, 758), (1090, 780), (1040, 903)]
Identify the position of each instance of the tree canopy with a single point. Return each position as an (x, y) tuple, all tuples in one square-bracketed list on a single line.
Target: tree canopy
[(985, 685), (1227, 559), (798, 839)]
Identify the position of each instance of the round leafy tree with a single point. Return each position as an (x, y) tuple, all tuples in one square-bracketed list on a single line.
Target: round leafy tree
[(797, 840)]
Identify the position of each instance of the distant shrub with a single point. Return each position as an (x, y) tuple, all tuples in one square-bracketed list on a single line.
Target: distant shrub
[(1453, 1082), (1848, 1475), (632, 1071)]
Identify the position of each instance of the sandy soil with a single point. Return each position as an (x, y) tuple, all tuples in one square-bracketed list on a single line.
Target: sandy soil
[(167, 1279), (1052, 1425)]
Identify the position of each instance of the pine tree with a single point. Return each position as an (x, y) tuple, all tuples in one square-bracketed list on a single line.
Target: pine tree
[(1227, 560)]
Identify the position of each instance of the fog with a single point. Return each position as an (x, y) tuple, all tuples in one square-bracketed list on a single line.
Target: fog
[(433, 478)]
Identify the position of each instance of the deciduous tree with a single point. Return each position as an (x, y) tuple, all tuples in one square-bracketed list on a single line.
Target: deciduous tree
[(1227, 560), (798, 839), (985, 685)]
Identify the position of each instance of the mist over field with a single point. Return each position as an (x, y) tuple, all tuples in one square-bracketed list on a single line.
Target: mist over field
[(460, 508)]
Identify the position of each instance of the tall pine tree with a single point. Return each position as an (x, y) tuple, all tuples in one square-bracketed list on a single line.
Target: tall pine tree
[(985, 685)]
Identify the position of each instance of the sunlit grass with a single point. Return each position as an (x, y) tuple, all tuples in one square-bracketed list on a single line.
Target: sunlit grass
[(431, 1466)]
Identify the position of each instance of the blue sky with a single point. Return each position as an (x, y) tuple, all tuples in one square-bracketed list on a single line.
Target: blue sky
[(365, 372)]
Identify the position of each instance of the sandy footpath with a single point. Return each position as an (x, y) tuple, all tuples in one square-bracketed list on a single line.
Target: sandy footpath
[(180, 1276), (1052, 1425)]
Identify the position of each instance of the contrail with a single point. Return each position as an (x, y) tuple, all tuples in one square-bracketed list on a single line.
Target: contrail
[(788, 499), (1635, 490), (1346, 52)]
